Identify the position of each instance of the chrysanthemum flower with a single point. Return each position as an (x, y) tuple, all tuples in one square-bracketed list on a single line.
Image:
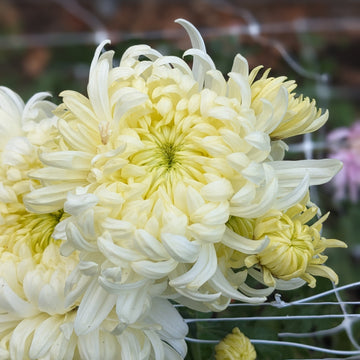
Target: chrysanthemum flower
[(38, 321), (344, 144), (152, 164), (24, 128), (235, 346), (295, 248), (37, 324)]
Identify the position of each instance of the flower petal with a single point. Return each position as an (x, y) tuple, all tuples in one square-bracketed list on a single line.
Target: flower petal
[(94, 308)]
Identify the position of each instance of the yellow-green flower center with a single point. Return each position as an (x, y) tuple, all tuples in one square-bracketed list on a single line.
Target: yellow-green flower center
[(35, 230), (159, 153)]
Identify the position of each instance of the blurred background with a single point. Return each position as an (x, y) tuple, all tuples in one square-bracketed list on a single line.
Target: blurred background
[(48, 46)]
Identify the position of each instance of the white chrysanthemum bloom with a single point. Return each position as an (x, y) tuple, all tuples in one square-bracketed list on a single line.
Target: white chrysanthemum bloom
[(156, 160), (38, 322), (23, 129)]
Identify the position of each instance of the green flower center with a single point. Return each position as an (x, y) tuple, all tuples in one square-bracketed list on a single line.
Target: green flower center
[(168, 155), (36, 230)]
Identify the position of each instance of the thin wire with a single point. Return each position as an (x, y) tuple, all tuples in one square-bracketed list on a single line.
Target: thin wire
[(268, 318), (283, 343)]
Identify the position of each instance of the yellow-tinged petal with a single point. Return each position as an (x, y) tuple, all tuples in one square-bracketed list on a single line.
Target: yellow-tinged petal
[(294, 247), (235, 346)]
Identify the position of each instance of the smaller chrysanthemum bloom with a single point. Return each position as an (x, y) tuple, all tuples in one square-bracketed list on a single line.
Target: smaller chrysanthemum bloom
[(24, 128), (39, 322), (295, 248), (235, 346), (32, 275), (344, 144)]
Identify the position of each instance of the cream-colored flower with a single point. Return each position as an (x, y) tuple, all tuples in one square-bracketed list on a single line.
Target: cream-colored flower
[(38, 322), (295, 248), (235, 346), (152, 164), (24, 128), (298, 116)]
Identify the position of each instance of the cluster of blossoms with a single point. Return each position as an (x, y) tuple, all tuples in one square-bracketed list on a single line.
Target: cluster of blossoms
[(167, 183), (344, 144)]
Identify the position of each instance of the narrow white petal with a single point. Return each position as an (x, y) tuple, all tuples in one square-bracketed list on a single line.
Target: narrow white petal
[(203, 269), (194, 299), (242, 244), (11, 102), (98, 86), (140, 50), (88, 268), (119, 229), (176, 62), (290, 173), (49, 198), (180, 248), (212, 214), (207, 233), (150, 245), (71, 160), (77, 203), (240, 66), (244, 196), (64, 346), (197, 41), (116, 254), (220, 190), (56, 174), (214, 80), (131, 305), (78, 241), (126, 99), (44, 337), (318, 123), (12, 303), (257, 209), (156, 343), (259, 140), (75, 137), (247, 290), (294, 196), (80, 106), (290, 284), (119, 288), (202, 64), (177, 349), (21, 337), (89, 347), (219, 282), (130, 346), (154, 270), (193, 199), (172, 324), (239, 88), (97, 54), (7, 194), (94, 308), (120, 72), (75, 285)]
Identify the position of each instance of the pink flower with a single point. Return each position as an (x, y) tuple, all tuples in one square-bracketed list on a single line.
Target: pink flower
[(345, 146)]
